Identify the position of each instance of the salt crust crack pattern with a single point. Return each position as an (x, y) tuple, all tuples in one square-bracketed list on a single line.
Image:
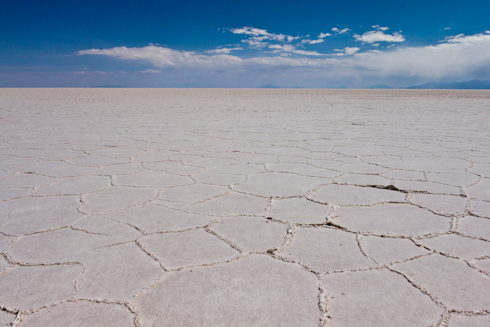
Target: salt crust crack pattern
[(121, 201)]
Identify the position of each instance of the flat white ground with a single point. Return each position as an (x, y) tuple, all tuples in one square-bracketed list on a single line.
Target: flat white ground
[(172, 207)]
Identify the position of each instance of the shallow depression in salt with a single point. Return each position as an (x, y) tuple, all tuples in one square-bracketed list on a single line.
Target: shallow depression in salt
[(226, 207)]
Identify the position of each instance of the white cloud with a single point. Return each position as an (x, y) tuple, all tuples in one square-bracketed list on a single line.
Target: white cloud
[(323, 35), (340, 31), (250, 31), (292, 49), (379, 36), (260, 38), (457, 57), (95, 72), (224, 50), (347, 51), (151, 71), (380, 28), (468, 39), (163, 57), (447, 28), (315, 41), (351, 50), (256, 42)]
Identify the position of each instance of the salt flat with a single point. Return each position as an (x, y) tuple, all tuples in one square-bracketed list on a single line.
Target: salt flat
[(225, 207)]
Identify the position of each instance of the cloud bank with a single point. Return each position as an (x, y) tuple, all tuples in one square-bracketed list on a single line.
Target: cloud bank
[(457, 57)]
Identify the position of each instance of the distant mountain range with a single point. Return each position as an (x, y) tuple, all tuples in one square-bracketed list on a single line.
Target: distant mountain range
[(379, 87), (108, 86), (473, 84), (270, 86)]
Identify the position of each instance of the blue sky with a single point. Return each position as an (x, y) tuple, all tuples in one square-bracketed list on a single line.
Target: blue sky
[(242, 43)]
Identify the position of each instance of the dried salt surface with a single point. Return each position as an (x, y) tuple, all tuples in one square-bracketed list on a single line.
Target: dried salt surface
[(474, 226), (30, 287), (190, 248), (354, 195), (327, 250), (150, 218), (13, 193), (153, 179), (6, 318), (303, 169), (107, 268), (81, 314), (279, 184), (452, 281), (363, 179), (374, 298), (5, 242), (252, 234), (483, 264), (386, 250), (299, 210), (391, 219), (427, 187), (194, 193), (277, 208), (473, 321), (232, 204), (75, 185), (459, 246), (480, 208), (482, 169), (3, 263), (252, 291), (124, 169), (26, 180), (114, 198), (37, 214), (442, 204), (480, 191), (71, 171), (64, 245), (210, 177), (453, 179)]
